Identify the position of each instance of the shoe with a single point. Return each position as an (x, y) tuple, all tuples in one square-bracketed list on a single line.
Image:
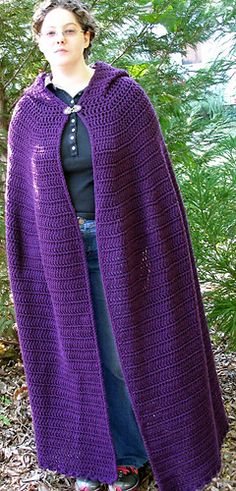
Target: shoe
[(145, 475), (87, 485), (128, 479)]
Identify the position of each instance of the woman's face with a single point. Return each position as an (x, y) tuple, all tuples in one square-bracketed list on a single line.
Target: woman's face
[(62, 40)]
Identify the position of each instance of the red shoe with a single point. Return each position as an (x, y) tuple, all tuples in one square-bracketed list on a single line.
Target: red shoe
[(128, 479)]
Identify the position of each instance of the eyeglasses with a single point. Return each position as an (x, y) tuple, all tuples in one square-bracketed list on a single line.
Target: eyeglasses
[(68, 33)]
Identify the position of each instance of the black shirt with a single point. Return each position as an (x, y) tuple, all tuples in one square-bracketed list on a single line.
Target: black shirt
[(76, 157)]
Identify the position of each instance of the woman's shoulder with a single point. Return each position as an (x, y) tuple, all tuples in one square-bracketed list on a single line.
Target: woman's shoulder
[(24, 107), (20, 106), (19, 116)]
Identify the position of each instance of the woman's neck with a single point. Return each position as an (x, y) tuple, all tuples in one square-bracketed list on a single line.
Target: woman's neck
[(72, 80)]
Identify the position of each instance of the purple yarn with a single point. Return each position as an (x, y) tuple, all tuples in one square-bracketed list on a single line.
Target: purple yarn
[(150, 282)]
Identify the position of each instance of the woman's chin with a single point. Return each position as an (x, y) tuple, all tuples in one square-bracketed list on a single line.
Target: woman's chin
[(60, 62)]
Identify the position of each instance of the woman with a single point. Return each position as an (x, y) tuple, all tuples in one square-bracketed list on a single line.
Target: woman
[(111, 323)]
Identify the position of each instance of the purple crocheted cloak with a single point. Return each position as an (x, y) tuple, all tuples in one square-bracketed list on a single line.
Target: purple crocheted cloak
[(150, 282)]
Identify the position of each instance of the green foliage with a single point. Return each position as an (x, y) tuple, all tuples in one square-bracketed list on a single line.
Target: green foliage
[(209, 193), (199, 130), (4, 419)]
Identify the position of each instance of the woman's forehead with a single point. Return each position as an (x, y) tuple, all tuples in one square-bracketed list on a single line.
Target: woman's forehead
[(59, 15)]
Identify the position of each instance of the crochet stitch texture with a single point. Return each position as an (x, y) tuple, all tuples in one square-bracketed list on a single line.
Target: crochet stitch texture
[(150, 282)]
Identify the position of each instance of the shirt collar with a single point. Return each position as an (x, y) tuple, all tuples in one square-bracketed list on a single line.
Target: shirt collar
[(48, 80)]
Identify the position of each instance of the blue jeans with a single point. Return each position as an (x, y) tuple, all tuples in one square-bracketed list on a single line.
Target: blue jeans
[(127, 440)]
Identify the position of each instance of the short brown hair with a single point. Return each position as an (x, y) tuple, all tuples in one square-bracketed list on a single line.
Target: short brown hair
[(81, 12)]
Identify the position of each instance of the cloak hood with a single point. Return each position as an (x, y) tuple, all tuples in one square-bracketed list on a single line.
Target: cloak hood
[(150, 283)]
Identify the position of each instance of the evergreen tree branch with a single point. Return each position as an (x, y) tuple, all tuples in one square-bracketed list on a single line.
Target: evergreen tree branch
[(132, 44), (19, 68)]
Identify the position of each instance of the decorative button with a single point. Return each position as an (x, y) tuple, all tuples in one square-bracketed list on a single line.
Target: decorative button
[(73, 129), (81, 220), (72, 137), (75, 108), (73, 148), (72, 101), (73, 120)]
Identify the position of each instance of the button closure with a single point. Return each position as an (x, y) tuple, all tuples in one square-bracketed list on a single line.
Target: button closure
[(75, 108)]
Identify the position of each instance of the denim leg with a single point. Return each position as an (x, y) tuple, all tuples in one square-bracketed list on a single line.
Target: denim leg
[(127, 440)]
